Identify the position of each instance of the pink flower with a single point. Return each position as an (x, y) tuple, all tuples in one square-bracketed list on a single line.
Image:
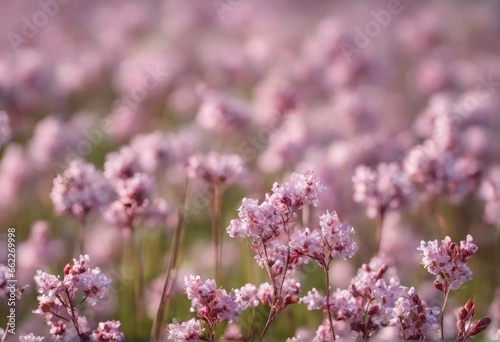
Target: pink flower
[(79, 190), (448, 262), (216, 169), (154, 151), (413, 317), (31, 337), (185, 331), (257, 222), (247, 296), (108, 331), (490, 193), (324, 332), (5, 129), (121, 165), (314, 300), (337, 236), (221, 113), (385, 188), (57, 297), (57, 329), (440, 172), (274, 259), (308, 245), (367, 303), (301, 189), (212, 304)]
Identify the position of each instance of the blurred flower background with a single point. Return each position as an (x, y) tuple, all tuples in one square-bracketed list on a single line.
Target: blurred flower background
[(132, 131)]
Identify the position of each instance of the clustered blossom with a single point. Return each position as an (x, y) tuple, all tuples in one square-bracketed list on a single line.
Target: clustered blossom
[(216, 169), (290, 292), (323, 333), (210, 303), (368, 301), (80, 189), (490, 193), (440, 172), (448, 262), (265, 226), (30, 337), (467, 329), (5, 129), (301, 189), (57, 299), (153, 151), (247, 296), (185, 331), (322, 245), (413, 317), (314, 300), (108, 331), (257, 222), (221, 113), (385, 188), (4, 277), (134, 190)]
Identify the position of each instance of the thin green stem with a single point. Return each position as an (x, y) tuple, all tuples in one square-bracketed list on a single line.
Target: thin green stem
[(217, 232), (174, 255), (380, 227), (441, 319), (269, 319), (327, 276), (81, 224), (439, 217), (249, 337)]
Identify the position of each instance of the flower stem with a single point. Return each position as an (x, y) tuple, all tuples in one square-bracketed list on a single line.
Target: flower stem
[(327, 276), (81, 222), (447, 292), (217, 232), (249, 337), (440, 218), (174, 254), (380, 227), (269, 320)]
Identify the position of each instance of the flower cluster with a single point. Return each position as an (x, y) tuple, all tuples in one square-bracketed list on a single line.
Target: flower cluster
[(448, 262), (134, 189), (247, 296), (211, 304), (385, 188), (108, 331), (264, 224), (413, 317), (332, 240), (221, 113), (80, 189), (369, 299), (185, 331), (5, 129), (58, 300), (216, 169), (440, 172), (490, 193)]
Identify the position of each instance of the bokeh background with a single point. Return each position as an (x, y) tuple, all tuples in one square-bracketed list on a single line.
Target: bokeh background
[(288, 85)]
